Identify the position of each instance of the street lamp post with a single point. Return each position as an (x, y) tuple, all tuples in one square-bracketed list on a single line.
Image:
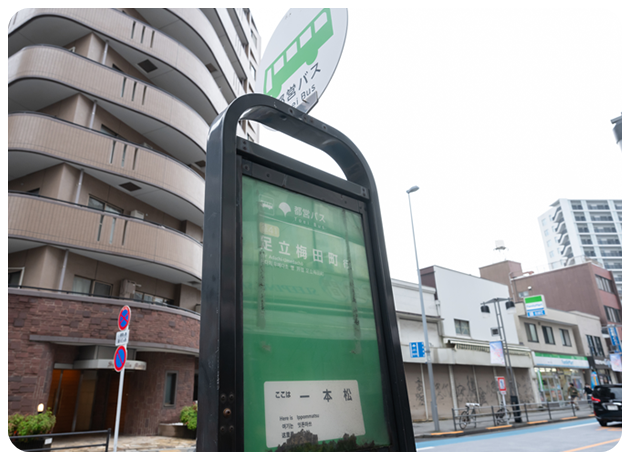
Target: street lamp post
[(427, 348), (506, 352)]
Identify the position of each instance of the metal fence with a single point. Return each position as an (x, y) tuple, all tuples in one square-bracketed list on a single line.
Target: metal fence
[(465, 418), (54, 435)]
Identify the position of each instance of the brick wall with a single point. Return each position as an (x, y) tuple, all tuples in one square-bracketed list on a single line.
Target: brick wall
[(145, 394)]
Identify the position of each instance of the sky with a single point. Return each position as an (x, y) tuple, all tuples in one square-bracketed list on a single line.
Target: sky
[(494, 111)]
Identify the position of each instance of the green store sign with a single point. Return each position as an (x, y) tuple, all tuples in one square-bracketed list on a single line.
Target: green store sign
[(310, 353)]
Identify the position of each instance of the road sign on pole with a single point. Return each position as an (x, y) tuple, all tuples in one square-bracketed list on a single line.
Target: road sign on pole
[(501, 385), (124, 318), (417, 349), (120, 358)]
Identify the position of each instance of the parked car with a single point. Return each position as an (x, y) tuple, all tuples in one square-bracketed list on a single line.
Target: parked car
[(607, 403)]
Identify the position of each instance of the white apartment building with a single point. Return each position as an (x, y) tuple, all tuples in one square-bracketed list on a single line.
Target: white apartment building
[(576, 230)]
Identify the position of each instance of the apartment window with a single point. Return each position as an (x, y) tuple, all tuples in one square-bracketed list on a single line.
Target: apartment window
[(170, 386), (15, 276), (595, 345), (95, 203), (603, 283), (566, 338), (87, 286), (462, 327), (548, 335), (544, 222), (254, 40), (144, 297), (550, 253), (253, 69), (612, 314), (549, 243), (546, 232), (532, 333)]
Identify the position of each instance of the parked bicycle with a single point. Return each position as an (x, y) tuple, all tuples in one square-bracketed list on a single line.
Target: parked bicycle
[(468, 416), (503, 415)]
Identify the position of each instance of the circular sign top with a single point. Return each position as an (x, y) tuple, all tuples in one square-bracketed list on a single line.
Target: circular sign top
[(120, 358), (302, 55), (124, 318)]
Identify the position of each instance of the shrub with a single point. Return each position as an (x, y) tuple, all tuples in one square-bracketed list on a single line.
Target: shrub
[(20, 425), (188, 416)]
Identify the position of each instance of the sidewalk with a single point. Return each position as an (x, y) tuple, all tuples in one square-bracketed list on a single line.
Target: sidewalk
[(424, 430), (127, 444)]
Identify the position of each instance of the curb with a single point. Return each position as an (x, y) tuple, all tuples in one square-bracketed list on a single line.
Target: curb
[(457, 434)]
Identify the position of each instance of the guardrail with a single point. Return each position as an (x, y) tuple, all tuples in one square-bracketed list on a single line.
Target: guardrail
[(52, 435), (526, 413)]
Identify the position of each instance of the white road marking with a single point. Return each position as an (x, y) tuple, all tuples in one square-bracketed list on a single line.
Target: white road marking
[(424, 448), (578, 426)]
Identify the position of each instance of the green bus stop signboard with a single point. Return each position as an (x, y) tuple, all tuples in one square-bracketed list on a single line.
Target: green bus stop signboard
[(310, 353)]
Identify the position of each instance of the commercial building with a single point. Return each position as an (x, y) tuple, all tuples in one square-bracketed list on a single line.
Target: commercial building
[(575, 231), (567, 347), (459, 337), (585, 287), (109, 112)]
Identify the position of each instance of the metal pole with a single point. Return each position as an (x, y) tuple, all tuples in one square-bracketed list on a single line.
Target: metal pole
[(427, 347), (120, 392), (508, 362)]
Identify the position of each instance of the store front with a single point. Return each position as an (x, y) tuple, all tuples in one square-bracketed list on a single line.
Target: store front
[(556, 372), (601, 371)]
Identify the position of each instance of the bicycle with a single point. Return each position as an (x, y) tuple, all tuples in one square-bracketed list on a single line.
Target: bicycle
[(468, 416), (503, 415)]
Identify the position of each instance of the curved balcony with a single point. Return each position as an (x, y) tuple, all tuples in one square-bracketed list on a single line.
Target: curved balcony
[(122, 241), (557, 213), (40, 76), (38, 141), (192, 28), (222, 24), (177, 70), (560, 228)]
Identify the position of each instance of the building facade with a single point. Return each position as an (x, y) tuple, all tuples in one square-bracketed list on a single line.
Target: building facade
[(459, 337), (574, 231), (563, 346), (109, 113), (585, 287)]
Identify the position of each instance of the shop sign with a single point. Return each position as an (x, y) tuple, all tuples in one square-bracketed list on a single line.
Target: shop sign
[(599, 363), (615, 361), (614, 338), (535, 305), (554, 360)]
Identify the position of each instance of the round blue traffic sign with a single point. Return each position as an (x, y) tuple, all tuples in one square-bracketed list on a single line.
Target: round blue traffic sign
[(120, 358), (124, 318)]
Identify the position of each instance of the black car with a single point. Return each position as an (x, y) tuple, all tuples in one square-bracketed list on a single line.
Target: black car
[(607, 403)]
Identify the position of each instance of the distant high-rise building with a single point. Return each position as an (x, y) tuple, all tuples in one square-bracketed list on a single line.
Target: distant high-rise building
[(574, 231), (109, 114)]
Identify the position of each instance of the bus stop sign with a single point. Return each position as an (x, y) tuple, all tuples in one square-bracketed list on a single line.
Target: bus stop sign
[(298, 337), (302, 55)]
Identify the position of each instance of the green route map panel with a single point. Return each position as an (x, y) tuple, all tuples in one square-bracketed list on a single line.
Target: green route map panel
[(310, 354)]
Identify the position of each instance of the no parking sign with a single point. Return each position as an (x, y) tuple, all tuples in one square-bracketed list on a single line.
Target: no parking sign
[(120, 358)]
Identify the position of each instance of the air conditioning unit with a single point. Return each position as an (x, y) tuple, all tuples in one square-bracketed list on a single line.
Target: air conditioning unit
[(494, 331), (137, 214), (127, 289)]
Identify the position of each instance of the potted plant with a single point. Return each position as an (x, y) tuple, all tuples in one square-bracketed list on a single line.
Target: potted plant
[(188, 416), (20, 425)]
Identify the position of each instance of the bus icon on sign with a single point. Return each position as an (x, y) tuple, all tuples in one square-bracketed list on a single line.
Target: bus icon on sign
[(303, 49)]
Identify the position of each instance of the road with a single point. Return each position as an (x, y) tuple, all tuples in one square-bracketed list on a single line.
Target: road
[(575, 436)]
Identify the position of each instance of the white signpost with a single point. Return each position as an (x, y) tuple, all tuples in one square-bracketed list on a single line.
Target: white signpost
[(120, 358), (302, 55)]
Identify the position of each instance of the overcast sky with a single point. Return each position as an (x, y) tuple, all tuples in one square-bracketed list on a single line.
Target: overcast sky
[(494, 111)]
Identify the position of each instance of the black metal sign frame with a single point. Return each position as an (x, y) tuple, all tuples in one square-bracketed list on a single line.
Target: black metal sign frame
[(221, 411)]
